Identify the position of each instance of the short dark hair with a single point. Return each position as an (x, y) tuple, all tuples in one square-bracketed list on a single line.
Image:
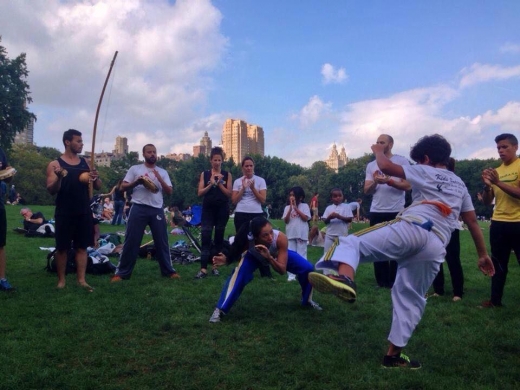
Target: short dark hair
[(69, 135), (247, 158), (434, 146), (336, 189), (506, 137), (451, 164), (148, 145), (216, 151)]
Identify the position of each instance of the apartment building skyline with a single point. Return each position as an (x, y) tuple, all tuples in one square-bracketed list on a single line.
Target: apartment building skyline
[(240, 139), (25, 137), (337, 160)]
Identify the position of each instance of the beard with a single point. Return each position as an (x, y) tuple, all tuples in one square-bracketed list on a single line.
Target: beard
[(150, 160)]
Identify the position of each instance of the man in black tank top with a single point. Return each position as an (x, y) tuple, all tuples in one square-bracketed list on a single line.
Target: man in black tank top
[(74, 223)]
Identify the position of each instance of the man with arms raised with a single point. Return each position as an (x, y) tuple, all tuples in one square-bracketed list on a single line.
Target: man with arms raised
[(148, 182), (72, 215), (387, 200)]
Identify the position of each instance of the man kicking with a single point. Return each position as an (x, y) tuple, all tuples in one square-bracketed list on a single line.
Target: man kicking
[(416, 239)]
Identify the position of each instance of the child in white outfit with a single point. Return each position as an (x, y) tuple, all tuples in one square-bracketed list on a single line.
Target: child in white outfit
[(337, 217), (295, 215)]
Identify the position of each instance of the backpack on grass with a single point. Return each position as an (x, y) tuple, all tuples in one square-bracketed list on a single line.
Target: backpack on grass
[(71, 262), (97, 264)]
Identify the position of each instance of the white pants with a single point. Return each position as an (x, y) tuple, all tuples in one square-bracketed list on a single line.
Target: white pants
[(419, 254), (299, 246)]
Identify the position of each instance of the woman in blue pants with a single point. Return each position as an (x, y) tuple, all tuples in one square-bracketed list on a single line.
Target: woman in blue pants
[(257, 244)]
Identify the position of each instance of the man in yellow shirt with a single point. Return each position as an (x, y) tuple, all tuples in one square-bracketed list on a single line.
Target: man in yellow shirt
[(503, 185)]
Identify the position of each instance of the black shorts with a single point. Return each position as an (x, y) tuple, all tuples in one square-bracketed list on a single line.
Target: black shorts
[(3, 227), (75, 231)]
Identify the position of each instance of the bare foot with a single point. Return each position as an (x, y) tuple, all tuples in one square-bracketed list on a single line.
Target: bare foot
[(60, 285), (86, 286)]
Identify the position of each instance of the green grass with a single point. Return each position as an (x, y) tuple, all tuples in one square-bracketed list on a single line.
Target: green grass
[(153, 333)]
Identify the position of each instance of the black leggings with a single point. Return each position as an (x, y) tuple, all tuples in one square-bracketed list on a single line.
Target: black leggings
[(215, 216)]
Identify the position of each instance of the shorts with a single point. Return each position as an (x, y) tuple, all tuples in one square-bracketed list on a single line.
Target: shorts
[(3, 227), (75, 231)]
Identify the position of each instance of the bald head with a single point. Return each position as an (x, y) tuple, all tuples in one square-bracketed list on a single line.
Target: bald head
[(388, 142)]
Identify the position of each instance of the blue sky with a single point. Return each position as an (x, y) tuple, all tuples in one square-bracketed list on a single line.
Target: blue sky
[(311, 73)]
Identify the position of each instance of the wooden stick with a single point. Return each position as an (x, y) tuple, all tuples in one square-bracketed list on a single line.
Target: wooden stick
[(91, 184)]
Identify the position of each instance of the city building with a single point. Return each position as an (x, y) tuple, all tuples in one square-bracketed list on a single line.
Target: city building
[(26, 137), (240, 139), (337, 160), (104, 159), (204, 146), (178, 156), (121, 146)]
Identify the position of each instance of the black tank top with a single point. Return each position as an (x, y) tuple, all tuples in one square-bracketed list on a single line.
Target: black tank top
[(73, 196), (215, 196), (119, 195)]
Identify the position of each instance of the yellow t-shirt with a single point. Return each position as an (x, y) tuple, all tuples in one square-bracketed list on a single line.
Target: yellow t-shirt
[(507, 208)]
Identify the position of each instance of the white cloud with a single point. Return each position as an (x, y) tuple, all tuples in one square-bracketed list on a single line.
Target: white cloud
[(333, 76), (510, 48), (160, 78), (480, 73), (313, 111)]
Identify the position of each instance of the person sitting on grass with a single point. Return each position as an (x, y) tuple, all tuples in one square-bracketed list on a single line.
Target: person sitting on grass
[(35, 224), (257, 243), (416, 240)]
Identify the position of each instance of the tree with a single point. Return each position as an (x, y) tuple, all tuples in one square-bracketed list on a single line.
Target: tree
[(14, 97)]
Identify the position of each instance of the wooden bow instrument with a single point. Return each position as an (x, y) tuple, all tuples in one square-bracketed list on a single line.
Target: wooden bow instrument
[(92, 156)]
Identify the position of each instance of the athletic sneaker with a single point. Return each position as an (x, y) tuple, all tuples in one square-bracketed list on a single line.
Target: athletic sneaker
[(5, 285), (315, 305), (215, 317), (400, 361), (115, 279), (341, 286), (215, 272), (201, 275)]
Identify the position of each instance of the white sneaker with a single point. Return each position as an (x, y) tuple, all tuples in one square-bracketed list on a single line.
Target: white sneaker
[(315, 305), (215, 317), (291, 277)]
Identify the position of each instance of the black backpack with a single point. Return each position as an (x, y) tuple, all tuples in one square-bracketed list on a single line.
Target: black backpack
[(71, 262)]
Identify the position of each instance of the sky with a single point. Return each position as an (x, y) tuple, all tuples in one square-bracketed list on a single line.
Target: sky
[(312, 73)]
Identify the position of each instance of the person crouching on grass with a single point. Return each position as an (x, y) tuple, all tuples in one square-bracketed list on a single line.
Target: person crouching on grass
[(416, 239), (257, 243)]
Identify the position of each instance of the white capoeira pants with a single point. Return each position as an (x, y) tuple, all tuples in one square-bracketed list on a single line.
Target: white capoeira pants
[(419, 254)]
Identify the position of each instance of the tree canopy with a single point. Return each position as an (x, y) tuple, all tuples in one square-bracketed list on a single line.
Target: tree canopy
[(14, 97), (279, 175)]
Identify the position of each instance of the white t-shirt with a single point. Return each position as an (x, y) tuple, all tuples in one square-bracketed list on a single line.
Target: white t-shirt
[(248, 203), (140, 195), (354, 206), (435, 184), (337, 227), (386, 199), (297, 227)]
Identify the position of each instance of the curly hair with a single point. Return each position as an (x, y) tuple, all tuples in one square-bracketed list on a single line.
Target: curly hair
[(435, 147)]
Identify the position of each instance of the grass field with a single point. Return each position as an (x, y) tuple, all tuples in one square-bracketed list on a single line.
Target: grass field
[(153, 333)]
